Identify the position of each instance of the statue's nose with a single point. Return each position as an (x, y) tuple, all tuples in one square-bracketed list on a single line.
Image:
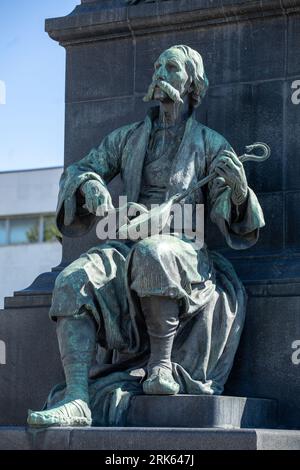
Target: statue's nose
[(160, 73)]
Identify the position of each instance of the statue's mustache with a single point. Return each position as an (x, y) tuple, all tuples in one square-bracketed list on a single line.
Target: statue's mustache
[(172, 93)]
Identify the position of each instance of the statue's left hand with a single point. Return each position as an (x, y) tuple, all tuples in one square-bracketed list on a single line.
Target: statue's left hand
[(97, 198), (229, 167)]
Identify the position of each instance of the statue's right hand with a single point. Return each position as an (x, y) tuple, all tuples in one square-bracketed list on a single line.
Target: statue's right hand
[(97, 198)]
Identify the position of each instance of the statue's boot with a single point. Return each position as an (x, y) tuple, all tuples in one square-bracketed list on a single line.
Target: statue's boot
[(161, 317), (77, 343)]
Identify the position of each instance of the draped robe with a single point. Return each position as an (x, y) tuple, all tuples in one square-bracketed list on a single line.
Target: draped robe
[(108, 280)]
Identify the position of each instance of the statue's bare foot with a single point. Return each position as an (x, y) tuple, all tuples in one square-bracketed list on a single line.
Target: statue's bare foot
[(160, 381), (72, 413)]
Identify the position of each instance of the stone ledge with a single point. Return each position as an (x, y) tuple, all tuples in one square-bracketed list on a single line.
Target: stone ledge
[(19, 438), (28, 301), (91, 21)]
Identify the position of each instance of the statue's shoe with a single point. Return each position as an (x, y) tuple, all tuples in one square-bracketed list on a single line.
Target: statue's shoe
[(160, 382), (73, 413)]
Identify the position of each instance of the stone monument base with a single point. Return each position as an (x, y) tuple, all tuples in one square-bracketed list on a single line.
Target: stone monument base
[(33, 367), (177, 439), (182, 423)]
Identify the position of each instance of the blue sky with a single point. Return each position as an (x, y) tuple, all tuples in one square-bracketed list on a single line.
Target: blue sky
[(33, 68)]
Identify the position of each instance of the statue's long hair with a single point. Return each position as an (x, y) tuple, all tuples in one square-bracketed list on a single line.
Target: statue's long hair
[(195, 67)]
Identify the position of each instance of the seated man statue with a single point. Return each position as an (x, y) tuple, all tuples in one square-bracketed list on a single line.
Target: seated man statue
[(168, 314)]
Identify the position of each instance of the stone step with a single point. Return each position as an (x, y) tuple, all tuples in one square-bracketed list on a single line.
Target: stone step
[(114, 439), (202, 411)]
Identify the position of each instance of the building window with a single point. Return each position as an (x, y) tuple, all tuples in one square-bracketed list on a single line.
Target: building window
[(3, 235), (24, 230), (27, 229), (50, 231)]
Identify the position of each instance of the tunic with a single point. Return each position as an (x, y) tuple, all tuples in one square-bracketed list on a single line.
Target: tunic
[(108, 280)]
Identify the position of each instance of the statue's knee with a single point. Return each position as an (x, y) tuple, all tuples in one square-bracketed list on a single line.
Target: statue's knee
[(69, 279), (148, 258), (143, 253), (150, 248)]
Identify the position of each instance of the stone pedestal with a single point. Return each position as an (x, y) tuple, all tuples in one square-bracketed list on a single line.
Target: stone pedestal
[(33, 364), (263, 367), (177, 439)]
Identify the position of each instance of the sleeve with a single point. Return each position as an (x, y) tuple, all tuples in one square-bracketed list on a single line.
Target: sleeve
[(239, 224), (101, 164)]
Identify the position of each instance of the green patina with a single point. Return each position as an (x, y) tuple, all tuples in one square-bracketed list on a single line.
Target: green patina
[(110, 281)]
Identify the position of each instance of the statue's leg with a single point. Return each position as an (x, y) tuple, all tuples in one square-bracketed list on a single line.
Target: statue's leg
[(160, 268), (93, 281), (162, 318), (77, 343)]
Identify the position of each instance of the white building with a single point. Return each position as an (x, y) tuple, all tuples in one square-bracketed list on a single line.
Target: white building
[(28, 243)]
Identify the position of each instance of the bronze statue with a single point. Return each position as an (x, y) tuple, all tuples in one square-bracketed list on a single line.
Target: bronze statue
[(156, 316)]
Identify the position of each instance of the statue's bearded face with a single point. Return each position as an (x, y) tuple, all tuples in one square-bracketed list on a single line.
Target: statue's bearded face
[(170, 80)]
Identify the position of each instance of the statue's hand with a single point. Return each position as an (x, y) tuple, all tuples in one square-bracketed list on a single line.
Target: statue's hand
[(97, 199), (229, 167)]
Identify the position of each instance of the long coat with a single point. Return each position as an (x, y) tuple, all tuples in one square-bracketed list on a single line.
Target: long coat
[(107, 279)]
